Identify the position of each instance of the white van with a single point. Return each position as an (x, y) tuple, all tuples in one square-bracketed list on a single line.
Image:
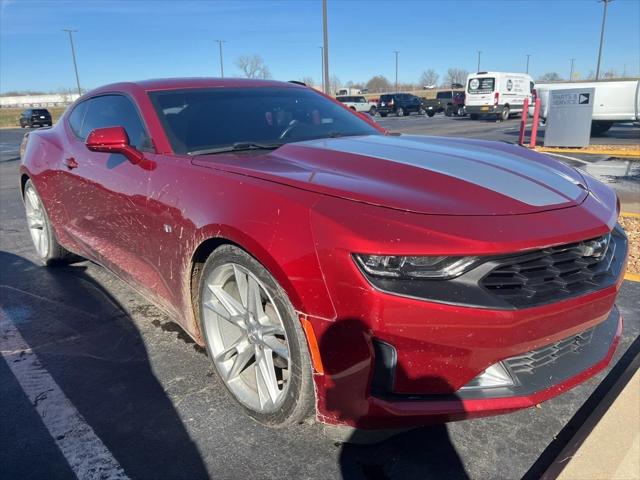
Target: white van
[(615, 101), (499, 94)]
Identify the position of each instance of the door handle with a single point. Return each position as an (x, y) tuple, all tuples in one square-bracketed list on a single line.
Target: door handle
[(71, 163)]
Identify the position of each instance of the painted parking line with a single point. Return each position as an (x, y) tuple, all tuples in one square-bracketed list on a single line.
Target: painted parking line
[(87, 456)]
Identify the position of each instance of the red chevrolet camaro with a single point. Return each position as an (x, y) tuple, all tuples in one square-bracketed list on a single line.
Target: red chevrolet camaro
[(330, 268)]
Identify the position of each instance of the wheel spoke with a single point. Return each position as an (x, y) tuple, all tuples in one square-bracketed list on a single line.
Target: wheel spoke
[(264, 360), (217, 308), (276, 345), (254, 300), (232, 349), (272, 330), (240, 362), (230, 304), (242, 283)]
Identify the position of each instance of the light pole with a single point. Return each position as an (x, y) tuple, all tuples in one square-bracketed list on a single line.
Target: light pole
[(220, 42), (396, 52), (73, 54), (479, 53), (604, 19), (325, 50), (322, 66), (571, 71), (528, 55)]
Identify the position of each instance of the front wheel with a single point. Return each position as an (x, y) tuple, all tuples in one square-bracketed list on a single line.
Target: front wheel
[(49, 251), (255, 339), (448, 112), (430, 113), (460, 112), (400, 112)]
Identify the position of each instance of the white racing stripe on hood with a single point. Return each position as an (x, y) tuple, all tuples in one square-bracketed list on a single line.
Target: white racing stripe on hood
[(495, 170)]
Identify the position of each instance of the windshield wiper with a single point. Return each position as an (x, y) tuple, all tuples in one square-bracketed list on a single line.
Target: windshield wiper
[(237, 147)]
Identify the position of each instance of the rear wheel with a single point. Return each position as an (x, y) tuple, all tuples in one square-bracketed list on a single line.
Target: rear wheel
[(430, 113), (598, 128), (460, 112), (44, 239), (448, 112), (372, 111), (504, 115), (254, 338)]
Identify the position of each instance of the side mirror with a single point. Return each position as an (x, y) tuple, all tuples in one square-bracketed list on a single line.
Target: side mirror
[(113, 140)]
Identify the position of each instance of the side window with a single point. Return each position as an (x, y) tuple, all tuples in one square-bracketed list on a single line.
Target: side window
[(77, 117), (115, 111)]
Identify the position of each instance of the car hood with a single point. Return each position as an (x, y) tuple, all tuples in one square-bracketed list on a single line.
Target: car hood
[(429, 175)]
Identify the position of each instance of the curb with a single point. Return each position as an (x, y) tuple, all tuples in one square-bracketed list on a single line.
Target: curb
[(604, 151), (630, 214)]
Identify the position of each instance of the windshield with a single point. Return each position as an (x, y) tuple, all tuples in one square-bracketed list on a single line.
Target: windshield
[(201, 119)]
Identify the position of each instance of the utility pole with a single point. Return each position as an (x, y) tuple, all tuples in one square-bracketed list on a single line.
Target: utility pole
[(479, 53), (322, 66), (604, 19), (571, 71), (325, 50), (528, 55), (73, 54), (220, 42), (396, 52)]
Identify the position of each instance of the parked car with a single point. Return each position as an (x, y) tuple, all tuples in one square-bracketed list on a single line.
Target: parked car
[(33, 117), (615, 101), (330, 269), (358, 103), (497, 94), (400, 104), (451, 102)]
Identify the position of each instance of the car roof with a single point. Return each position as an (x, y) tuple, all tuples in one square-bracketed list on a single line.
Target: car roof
[(200, 82)]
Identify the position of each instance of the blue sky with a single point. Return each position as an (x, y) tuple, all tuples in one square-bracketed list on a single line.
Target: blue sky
[(135, 39)]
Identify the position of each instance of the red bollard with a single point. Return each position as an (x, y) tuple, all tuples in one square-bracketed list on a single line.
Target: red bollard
[(536, 120), (523, 123)]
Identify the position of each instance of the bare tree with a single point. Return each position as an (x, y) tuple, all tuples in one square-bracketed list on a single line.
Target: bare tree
[(253, 67), (378, 84), (308, 81), (334, 84), (428, 78), (610, 74), (455, 75), (550, 77)]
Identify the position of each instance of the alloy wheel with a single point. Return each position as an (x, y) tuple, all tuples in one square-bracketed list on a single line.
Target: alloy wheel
[(246, 337), (37, 221)]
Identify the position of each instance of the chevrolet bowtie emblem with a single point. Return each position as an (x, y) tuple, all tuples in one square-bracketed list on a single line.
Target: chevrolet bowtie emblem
[(595, 248)]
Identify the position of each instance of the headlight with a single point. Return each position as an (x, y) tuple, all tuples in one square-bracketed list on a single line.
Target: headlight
[(415, 267)]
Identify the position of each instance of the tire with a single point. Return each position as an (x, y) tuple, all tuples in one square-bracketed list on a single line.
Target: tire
[(474, 116), (448, 112), (49, 251), (383, 115), (421, 111), (504, 115), (400, 112), (430, 113), (353, 108), (228, 271), (372, 111), (599, 127), (460, 112)]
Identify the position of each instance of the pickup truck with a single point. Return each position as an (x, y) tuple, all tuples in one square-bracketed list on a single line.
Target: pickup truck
[(615, 101), (451, 102)]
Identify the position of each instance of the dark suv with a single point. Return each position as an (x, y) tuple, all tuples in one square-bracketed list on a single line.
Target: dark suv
[(35, 116), (399, 103)]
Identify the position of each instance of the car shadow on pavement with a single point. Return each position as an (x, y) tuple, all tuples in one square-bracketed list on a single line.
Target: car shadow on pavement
[(90, 346), (422, 453)]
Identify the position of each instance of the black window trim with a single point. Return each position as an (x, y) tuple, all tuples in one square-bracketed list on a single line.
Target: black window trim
[(150, 149)]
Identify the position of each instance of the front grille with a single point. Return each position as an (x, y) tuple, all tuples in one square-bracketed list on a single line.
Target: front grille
[(556, 273), (533, 360)]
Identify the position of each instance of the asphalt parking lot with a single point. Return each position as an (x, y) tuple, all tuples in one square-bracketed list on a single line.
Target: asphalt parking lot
[(152, 399)]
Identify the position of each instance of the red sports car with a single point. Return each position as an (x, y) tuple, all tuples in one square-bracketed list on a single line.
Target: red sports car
[(330, 268)]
